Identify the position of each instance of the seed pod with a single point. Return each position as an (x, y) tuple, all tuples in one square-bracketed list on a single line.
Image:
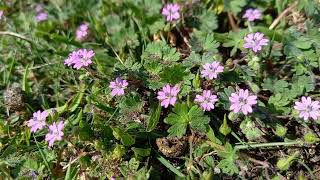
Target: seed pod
[(172, 146), (14, 99)]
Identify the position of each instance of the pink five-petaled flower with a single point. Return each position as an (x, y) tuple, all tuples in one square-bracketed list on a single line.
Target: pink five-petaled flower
[(308, 108), (252, 14), (79, 58), (168, 95), (82, 32), (206, 100), (41, 16), (55, 132), (171, 12), (211, 70), (38, 121), (242, 101), (118, 87), (255, 41)]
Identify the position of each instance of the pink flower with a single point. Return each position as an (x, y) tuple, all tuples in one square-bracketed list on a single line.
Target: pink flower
[(38, 8), (1, 14), (82, 32), (308, 108), (55, 133), (171, 12), (206, 100), (38, 121), (41, 16), (118, 87), (79, 58), (255, 41), (252, 14), (242, 101), (168, 95), (211, 70)]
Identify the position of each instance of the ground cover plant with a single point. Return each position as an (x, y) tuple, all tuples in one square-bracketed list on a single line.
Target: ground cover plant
[(150, 89)]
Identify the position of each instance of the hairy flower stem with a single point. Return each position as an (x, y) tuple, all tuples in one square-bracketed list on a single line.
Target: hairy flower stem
[(250, 27), (273, 144)]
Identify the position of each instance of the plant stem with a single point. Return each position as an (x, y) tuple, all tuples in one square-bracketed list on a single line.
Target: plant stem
[(7, 33), (249, 26), (272, 144), (43, 156)]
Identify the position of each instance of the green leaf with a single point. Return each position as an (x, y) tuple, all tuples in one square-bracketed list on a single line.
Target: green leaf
[(167, 164), (209, 21), (154, 118), (141, 152), (203, 42), (178, 130), (227, 164), (26, 88), (249, 128), (303, 43), (173, 74), (234, 40), (125, 138), (234, 6), (76, 100), (182, 116)]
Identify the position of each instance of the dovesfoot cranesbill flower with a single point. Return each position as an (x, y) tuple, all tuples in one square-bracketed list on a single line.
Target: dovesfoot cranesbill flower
[(41, 16), (168, 95), (171, 12), (38, 121), (82, 32), (55, 132), (211, 70), (206, 100), (255, 41), (308, 108), (242, 101), (118, 87), (80, 58), (252, 14)]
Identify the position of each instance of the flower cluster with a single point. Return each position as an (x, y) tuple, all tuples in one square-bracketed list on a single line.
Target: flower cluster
[(308, 108), (252, 14), (171, 12), (82, 32), (118, 87), (211, 70), (41, 14), (255, 41), (168, 95), (38, 122), (79, 58)]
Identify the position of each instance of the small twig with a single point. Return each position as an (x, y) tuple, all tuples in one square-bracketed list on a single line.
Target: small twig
[(185, 40), (7, 33), (232, 23), (263, 164), (283, 14), (267, 173)]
